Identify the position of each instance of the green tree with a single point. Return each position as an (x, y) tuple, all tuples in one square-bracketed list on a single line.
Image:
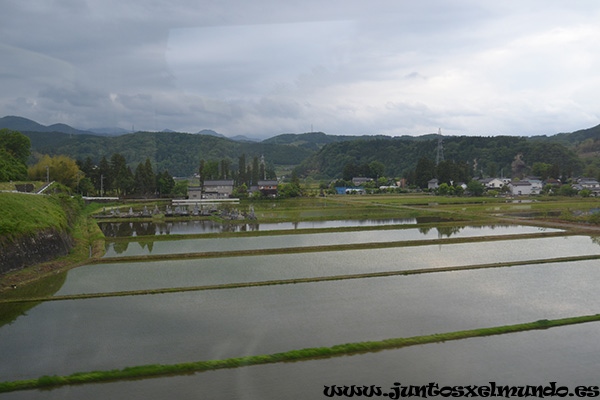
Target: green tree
[(567, 190), (424, 172), (376, 169), (123, 180), (255, 171), (446, 172), (290, 190), (241, 191), (201, 171), (60, 168), (541, 169), (11, 168), (104, 176), (86, 187), (14, 150), (15, 144), (350, 171), (242, 178), (225, 168), (165, 183), (180, 189), (443, 189), (210, 171), (475, 188), (145, 179)]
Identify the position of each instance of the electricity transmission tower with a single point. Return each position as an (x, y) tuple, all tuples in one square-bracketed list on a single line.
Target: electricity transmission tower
[(440, 148)]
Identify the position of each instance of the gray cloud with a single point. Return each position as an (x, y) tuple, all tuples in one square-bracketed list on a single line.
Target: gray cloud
[(266, 67)]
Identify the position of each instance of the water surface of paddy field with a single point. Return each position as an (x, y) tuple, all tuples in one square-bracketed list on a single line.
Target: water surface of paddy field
[(126, 228), (524, 358), (122, 276), (133, 248), (68, 336)]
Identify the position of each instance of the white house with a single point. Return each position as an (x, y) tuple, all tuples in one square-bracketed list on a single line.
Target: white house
[(521, 188), (492, 183), (433, 184), (589, 183)]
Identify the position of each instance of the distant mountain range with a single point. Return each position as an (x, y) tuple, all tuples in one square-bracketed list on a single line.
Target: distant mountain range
[(26, 125)]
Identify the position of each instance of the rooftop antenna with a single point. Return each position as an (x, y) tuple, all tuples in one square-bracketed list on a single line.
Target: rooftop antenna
[(440, 148)]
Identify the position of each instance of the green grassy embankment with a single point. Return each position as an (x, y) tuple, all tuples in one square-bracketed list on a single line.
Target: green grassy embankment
[(24, 215), (146, 371)]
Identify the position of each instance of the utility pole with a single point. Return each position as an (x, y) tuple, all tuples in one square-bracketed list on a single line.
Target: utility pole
[(101, 184), (47, 173)]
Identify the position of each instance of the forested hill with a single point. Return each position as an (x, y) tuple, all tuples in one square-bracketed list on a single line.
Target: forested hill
[(315, 140), (324, 156), (179, 153), (485, 155)]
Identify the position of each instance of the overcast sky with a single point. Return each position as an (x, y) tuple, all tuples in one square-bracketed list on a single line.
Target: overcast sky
[(266, 67)]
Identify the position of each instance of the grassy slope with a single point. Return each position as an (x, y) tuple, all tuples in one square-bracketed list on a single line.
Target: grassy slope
[(22, 214)]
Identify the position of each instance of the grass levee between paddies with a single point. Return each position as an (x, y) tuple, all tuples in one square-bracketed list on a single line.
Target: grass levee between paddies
[(147, 371)]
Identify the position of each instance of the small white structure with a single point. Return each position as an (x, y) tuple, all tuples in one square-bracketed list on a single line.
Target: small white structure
[(355, 190), (492, 183), (194, 192), (523, 188), (433, 184)]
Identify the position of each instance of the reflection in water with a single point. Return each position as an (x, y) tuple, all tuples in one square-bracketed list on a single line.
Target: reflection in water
[(148, 245), (42, 288), (128, 229), (448, 231)]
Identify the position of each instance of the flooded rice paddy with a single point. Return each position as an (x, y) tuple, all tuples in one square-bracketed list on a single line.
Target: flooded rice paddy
[(525, 358), (67, 336), (127, 229), (133, 248), (169, 328), (212, 271)]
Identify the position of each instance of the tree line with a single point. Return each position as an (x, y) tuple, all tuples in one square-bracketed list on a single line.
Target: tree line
[(485, 156), (116, 177), (246, 173)]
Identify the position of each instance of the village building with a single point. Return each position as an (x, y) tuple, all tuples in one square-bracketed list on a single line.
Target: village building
[(589, 183), (217, 189), (524, 188), (357, 181), (268, 187), (492, 183), (194, 192), (433, 184)]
